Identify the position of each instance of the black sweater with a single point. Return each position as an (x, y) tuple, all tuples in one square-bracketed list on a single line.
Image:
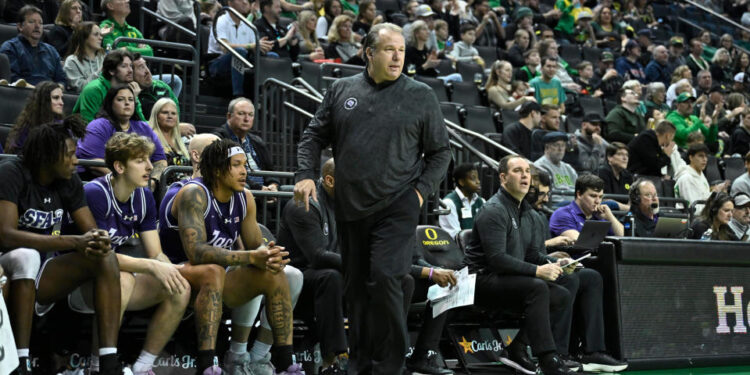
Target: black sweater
[(646, 156), (387, 138)]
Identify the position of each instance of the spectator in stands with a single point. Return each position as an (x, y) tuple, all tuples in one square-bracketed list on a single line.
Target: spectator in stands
[(180, 12), (240, 116), (650, 151), (332, 9), (309, 46), (635, 85), (741, 136), (676, 49), (685, 122), (43, 186), (691, 184), (367, 18), (117, 70), (568, 220), (623, 123), (584, 34), (704, 83), (84, 63), (464, 50), (521, 43), (231, 30), (644, 209), (423, 13), (563, 174), (591, 146), (151, 89), (115, 26), (419, 59), (164, 121), (547, 89), (68, 18), (656, 96), (617, 179), (611, 82), (209, 8), (740, 223), (644, 39), (489, 30), (609, 34), (517, 136), (657, 69), (589, 84), (549, 48), (285, 43), (721, 67), (708, 48), (738, 83), (497, 253), (566, 24), (148, 280), (498, 87), (443, 38), (310, 238), (341, 44), (550, 121), (45, 105), (741, 64), (31, 59), (117, 116), (464, 201), (727, 42), (529, 71), (250, 272), (538, 197), (628, 66), (695, 60), (714, 219)]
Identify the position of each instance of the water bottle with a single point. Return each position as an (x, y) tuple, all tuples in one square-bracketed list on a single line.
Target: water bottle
[(449, 42), (505, 20), (411, 70), (478, 78), (707, 235)]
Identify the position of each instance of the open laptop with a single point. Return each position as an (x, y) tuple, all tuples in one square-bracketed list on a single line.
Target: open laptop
[(671, 227), (591, 235)]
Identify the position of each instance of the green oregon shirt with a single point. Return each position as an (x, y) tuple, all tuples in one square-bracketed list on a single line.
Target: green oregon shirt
[(92, 96), (126, 31)]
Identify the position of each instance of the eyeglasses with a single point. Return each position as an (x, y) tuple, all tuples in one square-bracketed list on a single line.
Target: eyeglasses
[(649, 196)]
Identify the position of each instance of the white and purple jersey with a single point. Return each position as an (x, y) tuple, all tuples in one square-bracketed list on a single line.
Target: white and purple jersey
[(223, 220), (123, 220)]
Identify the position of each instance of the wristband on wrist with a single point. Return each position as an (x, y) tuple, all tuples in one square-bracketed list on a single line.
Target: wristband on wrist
[(431, 270)]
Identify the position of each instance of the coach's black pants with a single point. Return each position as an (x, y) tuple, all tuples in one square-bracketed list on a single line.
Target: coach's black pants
[(376, 253), (585, 289), (534, 298), (322, 300), (432, 328)]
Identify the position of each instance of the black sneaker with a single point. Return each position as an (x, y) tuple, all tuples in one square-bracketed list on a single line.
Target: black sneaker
[(518, 359), (24, 366), (333, 369), (553, 365), (602, 362), (571, 363), (429, 363)]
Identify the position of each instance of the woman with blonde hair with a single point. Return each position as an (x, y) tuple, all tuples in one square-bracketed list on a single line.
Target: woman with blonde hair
[(721, 67), (68, 17), (341, 40), (309, 46), (164, 122), (499, 89)]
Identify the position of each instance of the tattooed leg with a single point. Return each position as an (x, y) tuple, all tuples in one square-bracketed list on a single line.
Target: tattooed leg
[(207, 282)]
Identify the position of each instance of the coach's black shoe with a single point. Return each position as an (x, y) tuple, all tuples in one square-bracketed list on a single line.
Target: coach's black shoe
[(551, 364), (571, 363), (428, 363), (515, 356), (602, 362)]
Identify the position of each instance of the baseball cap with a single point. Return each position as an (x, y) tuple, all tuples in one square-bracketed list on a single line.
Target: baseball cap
[(607, 56), (741, 200), (554, 137), (739, 77), (685, 96), (631, 44), (523, 12), (646, 32), (424, 10), (593, 117), (677, 41), (717, 87), (584, 14)]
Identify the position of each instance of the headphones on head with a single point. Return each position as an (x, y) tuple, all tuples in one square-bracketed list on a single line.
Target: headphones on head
[(635, 191)]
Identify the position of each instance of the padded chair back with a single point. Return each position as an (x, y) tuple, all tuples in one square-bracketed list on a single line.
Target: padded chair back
[(4, 131), (12, 103), (438, 247), (436, 85), (509, 117), (592, 54), (450, 112), (266, 233), (4, 67), (279, 68), (571, 54), (734, 167), (589, 104), (7, 32), (712, 170), (479, 119), (310, 72), (463, 238), (489, 54), (388, 6), (445, 67), (466, 93), (469, 70)]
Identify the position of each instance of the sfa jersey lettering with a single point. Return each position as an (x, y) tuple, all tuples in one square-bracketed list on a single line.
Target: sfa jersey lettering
[(38, 219)]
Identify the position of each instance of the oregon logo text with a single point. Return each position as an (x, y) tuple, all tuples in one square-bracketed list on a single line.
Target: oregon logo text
[(432, 240)]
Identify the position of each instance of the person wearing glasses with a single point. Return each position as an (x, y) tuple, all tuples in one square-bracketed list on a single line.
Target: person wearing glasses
[(644, 209)]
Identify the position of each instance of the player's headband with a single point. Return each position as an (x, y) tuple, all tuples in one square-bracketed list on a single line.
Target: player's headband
[(235, 151)]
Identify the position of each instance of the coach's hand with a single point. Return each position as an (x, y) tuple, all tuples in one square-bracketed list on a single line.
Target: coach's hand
[(303, 190), (549, 272), (443, 277)]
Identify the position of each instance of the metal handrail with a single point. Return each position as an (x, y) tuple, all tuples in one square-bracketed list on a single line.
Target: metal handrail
[(480, 136), (718, 15), (308, 86), (467, 145), (292, 88), (170, 22), (237, 55), (194, 64)]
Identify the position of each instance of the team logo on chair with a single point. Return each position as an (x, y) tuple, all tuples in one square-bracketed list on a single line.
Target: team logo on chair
[(350, 103)]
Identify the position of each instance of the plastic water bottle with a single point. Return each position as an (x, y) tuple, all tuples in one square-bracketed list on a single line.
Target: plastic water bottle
[(707, 235)]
